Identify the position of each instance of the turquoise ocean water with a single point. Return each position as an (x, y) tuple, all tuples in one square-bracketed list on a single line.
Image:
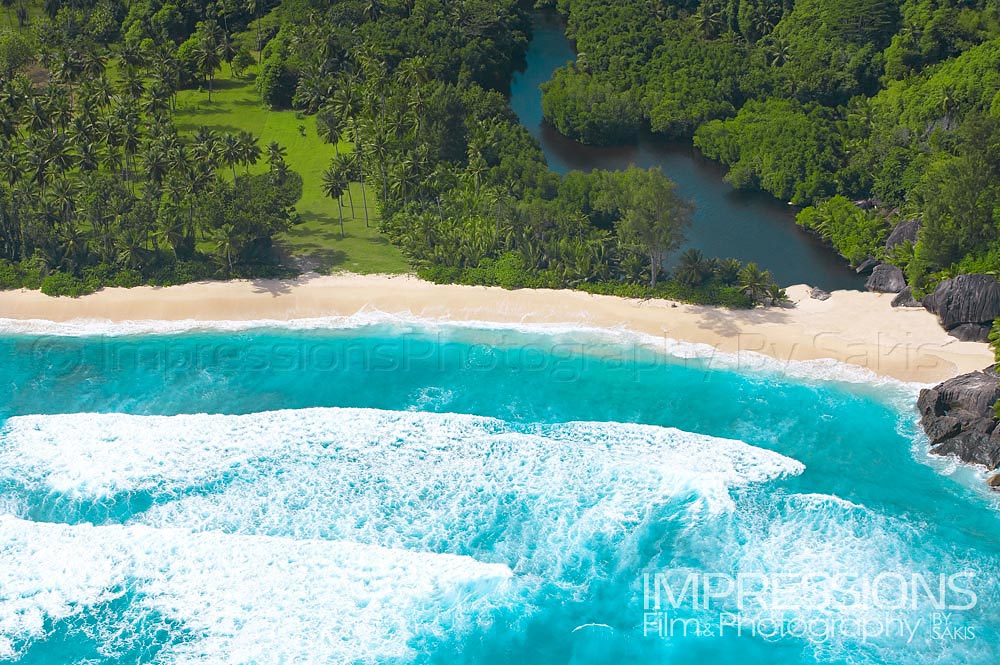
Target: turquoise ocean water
[(395, 492)]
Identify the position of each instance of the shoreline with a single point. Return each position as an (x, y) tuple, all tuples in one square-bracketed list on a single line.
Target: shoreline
[(851, 327)]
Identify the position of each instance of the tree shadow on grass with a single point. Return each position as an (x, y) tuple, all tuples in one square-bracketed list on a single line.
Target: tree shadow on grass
[(222, 84), (195, 126), (311, 258)]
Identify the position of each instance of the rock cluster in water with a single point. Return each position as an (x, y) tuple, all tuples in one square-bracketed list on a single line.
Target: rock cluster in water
[(959, 418)]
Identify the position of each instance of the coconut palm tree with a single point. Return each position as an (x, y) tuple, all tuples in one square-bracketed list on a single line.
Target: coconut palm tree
[(249, 150), (334, 184), (754, 282), (133, 85), (11, 164), (206, 147), (130, 247), (728, 271), (253, 8), (35, 113), (227, 243), (276, 159), (329, 126), (170, 229), (692, 268), (776, 295), (708, 22), (347, 165), (63, 195), (231, 152), (314, 87), (476, 169), (208, 56), (403, 178)]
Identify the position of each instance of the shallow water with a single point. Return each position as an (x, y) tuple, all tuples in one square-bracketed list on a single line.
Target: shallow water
[(750, 226), (402, 493)]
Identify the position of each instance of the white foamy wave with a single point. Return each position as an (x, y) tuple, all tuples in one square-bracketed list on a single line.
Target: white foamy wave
[(849, 568), (824, 369), (244, 599), (536, 496)]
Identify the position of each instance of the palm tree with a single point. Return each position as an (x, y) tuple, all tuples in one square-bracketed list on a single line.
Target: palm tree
[(334, 184), (170, 229), (227, 242), (754, 282), (63, 195), (39, 161), (692, 269), (372, 9), (206, 147), (346, 163), (254, 7), (35, 113), (377, 142), (328, 126), (103, 91), (249, 150), (93, 63), (156, 162), (358, 166), (728, 271), (707, 22), (130, 54), (208, 57), (403, 178), (475, 170), (276, 160), (776, 295), (132, 83), (313, 88), (778, 52), (231, 152), (130, 248), (130, 143), (68, 67)]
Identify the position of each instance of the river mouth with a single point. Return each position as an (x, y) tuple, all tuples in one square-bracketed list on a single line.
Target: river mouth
[(750, 226)]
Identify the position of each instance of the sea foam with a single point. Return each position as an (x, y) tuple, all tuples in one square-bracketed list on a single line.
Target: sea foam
[(538, 495), (824, 369), (241, 599), (820, 543)]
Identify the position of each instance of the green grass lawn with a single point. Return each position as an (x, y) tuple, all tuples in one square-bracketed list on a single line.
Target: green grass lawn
[(316, 243)]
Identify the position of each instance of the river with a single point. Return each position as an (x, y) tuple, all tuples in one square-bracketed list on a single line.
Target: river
[(751, 226)]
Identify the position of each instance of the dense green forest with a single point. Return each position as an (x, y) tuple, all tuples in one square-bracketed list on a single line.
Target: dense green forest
[(99, 186), (867, 112), (822, 103)]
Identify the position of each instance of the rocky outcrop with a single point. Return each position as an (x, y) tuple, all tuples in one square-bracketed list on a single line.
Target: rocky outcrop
[(903, 232), (866, 266), (905, 299), (959, 420), (966, 299), (817, 293), (971, 332), (886, 278)]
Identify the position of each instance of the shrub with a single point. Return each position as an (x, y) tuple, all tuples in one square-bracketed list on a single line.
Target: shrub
[(64, 284), (10, 277)]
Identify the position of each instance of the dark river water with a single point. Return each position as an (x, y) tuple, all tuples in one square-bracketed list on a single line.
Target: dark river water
[(751, 226)]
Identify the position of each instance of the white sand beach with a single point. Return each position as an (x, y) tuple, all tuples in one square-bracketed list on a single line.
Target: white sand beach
[(852, 327)]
